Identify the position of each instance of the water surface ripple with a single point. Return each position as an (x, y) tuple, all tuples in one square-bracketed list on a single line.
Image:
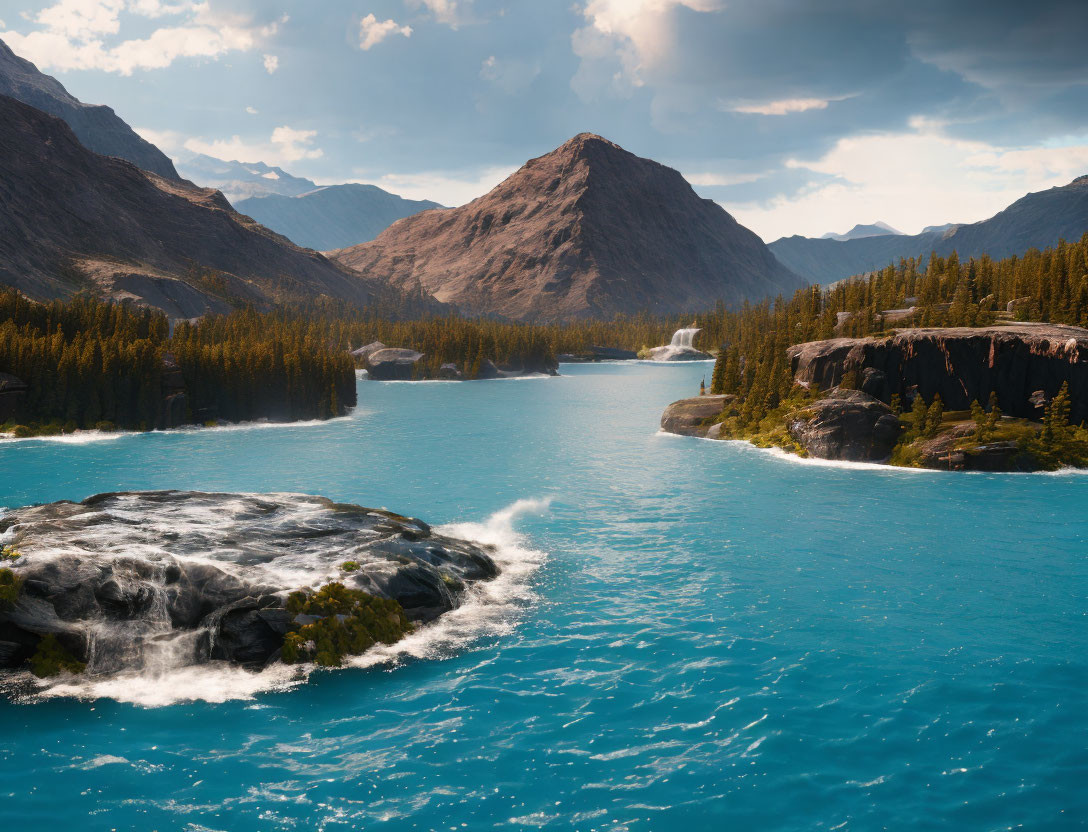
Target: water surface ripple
[(716, 638)]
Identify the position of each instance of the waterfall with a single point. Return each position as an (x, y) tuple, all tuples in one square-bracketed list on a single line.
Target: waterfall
[(682, 338), (680, 348)]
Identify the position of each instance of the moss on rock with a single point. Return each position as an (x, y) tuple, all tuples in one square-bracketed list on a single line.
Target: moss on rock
[(349, 622)]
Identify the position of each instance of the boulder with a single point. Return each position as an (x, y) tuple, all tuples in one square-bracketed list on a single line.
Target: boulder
[(846, 425), (392, 364), (217, 591), (694, 416), (363, 353), (450, 372)]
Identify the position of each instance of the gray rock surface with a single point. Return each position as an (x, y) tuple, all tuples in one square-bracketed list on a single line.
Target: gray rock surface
[(134, 580), (392, 364), (846, 425), (690, 417)]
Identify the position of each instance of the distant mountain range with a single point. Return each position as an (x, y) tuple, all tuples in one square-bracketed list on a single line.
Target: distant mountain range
[(1037, 220), (332, 217), (72, 220), (241, 180), (588, 230), (858, 231), (97, 127)]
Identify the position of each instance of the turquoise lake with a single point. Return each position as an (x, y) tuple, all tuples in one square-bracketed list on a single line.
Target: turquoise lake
[(690, 635)]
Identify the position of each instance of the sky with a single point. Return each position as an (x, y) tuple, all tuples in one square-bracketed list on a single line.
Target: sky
[(798, 116)]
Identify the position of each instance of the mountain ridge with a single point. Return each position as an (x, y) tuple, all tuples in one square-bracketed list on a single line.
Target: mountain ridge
[(73, 220), (332, 216), (97, 126), (1036, 220), (586, 230)]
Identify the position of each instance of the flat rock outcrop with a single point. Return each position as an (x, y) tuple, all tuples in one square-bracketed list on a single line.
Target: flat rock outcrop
[(588, 230), (693, 417), (960, 364), (155, 580), (392, 364), (846, 425), (70, 219)]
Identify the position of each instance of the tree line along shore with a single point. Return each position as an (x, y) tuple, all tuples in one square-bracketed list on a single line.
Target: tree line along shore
[(84, 364)]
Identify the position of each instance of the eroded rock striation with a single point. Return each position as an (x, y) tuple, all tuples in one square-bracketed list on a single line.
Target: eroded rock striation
[(959, 364), (148, 581), (588, 230)]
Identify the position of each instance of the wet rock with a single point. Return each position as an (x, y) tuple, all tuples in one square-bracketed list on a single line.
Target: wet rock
[(846, 425), (213, 575), (693, 417)]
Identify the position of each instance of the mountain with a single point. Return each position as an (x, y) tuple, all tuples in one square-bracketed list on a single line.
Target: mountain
[(1037, 220), (242, 180), (97, 127), (588, 230), (858, 231), (71, 220), (332, 217), (929, 229)]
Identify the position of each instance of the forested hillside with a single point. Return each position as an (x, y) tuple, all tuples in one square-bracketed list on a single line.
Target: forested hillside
[(87, 364)]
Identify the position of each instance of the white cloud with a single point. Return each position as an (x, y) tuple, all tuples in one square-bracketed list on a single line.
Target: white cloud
[(252, 110), (271, 63), (373, 31), (452, 13), (783, 107), (444, 187), (79, 34), (168, 141), (509, 75), (284, 146), (721, 180), (911, 180), (636, 34)]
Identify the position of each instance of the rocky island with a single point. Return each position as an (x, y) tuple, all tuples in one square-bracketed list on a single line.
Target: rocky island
[(150, 581), (997, 398)]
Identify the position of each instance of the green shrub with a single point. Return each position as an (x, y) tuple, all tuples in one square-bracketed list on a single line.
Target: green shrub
[(51, 659), (350, 622), (9, 553), (350, 566), (10, 586), (21, 432)]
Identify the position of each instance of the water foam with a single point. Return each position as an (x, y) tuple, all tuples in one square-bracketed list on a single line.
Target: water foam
[(489, 608)]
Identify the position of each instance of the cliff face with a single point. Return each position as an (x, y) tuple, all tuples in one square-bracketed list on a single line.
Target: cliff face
[(1036, 220), (98, 128), (960, 364), (588, 230), (71, 220)]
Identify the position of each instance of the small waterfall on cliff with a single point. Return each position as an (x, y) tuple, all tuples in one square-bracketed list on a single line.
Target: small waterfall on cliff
[(680, 347), (683, 337)]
